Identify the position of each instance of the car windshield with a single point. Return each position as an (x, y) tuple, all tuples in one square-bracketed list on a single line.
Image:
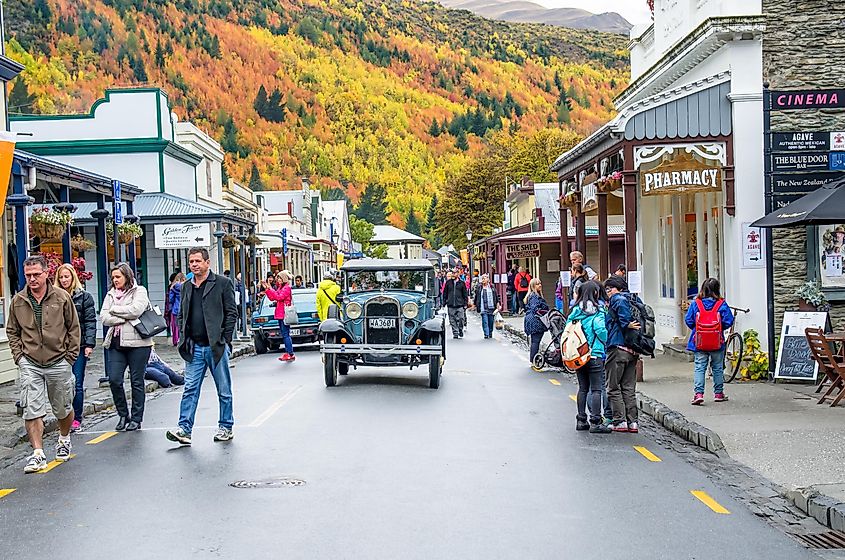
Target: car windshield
[(305, 302), (365, 280)]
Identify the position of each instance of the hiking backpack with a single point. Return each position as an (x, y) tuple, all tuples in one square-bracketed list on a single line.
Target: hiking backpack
[(574, 348), (640, 341), (523, 281), (708, 327)]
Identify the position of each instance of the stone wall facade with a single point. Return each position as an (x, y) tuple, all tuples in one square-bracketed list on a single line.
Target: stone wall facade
[(802, 49)]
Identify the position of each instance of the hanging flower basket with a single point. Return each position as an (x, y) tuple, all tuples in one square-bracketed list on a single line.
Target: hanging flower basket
[(49, 223), (252, 239), (80, 244), (126, 232), (230, 241)]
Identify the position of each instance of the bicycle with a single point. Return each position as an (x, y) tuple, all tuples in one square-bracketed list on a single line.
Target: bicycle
[(734, 348)]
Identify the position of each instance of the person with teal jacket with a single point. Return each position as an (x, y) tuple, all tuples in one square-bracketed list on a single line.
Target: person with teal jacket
[(591, 315)]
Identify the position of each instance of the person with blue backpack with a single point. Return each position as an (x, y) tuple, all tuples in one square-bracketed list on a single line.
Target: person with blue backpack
[(590, 315), (708, 317), (622, 357)]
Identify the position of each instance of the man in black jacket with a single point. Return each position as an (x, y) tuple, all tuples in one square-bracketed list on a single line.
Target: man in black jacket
[(455, 296), (207, 320)]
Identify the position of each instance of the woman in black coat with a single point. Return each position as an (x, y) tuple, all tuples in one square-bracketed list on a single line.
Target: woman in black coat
[(67, 279)]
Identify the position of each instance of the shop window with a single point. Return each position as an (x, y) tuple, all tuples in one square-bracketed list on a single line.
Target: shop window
[(830, 252), (667, 260)]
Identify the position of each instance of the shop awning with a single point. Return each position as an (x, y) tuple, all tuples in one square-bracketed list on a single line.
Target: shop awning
[(826, 205), (554, 234), (165, 208)]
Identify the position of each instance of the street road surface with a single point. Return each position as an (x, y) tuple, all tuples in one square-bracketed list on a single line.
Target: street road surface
[(488, 466)]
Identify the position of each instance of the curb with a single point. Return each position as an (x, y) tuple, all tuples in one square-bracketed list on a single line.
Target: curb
[(98, 405)]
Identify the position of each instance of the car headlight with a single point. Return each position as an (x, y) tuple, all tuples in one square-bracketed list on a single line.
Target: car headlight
[(410, 310), (353, 310)]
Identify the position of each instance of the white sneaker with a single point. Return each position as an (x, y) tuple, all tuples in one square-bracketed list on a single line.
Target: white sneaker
[(63, 449), (36, 463), (223, 434)]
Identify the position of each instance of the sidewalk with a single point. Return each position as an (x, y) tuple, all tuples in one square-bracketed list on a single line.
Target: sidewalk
[(777, 429), (97, 398)]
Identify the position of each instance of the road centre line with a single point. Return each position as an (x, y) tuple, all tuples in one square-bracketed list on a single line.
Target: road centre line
[(705, 498), (554, 381), (53, 464), (574, 398), (6, 491), (264, 416), (101, 438), (647, 454)]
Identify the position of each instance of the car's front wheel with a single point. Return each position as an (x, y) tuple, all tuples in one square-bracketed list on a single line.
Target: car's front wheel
[(260, 345), (330, 366), (434, 369)]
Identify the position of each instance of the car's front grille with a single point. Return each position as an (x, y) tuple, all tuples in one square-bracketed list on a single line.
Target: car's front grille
[(377, 313)]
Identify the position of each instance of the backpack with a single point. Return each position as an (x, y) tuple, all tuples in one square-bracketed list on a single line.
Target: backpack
[(574, 348), (523, 281), (640, 341), (708, 327)]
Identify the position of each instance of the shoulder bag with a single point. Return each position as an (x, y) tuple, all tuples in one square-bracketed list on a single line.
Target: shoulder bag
[(150, 323)]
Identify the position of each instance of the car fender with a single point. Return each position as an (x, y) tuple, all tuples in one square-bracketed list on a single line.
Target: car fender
[(433, 325), (333, 326)]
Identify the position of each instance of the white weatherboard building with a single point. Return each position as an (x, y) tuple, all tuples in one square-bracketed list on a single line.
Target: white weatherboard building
[(400, 243), (687, 141)]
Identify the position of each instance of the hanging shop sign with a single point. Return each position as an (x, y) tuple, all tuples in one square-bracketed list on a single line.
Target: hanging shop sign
[(837, 161), (808, 99), (681, 171), (182, 236), (589, 197), (800, 162), (522, 251), (801, 141)]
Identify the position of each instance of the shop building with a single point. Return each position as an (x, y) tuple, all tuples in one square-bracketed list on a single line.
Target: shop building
[(400, 243), (685, 151)]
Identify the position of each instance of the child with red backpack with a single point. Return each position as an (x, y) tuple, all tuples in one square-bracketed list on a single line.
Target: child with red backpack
[(708, 317)]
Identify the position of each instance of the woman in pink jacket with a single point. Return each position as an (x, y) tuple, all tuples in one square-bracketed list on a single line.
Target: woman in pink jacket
[(282, 296)]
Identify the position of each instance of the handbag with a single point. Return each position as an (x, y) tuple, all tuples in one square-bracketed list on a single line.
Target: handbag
[(498, 321), (150, 323)]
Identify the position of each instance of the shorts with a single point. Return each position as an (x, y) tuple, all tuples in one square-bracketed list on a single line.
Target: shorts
[(39, 384)]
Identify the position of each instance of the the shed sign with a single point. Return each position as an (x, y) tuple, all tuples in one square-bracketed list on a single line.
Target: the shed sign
[(522, 251)]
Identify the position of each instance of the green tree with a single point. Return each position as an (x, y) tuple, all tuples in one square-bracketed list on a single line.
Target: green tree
[(159, 55), (362, 232), (473, 198), (20, 100), (260, 103), (412, 224), (435, 128), (461, 141), (378, 252), (431, 224), (307, 29), (255, 182), (275, 111), (372, 206)]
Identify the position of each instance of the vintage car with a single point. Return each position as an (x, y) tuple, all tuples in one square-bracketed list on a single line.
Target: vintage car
[(265, 328), (387, 319)]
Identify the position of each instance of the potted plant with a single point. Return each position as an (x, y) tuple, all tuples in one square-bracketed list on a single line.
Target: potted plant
[(810, 297), (49, 223), (126, 232), (252, 239), (615, 180), (230, 240)]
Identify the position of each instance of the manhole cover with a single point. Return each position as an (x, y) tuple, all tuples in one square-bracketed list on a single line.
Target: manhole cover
[(281, 482), (829, 540)]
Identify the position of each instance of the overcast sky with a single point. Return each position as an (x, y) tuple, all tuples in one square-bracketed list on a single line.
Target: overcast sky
[(635, 11)]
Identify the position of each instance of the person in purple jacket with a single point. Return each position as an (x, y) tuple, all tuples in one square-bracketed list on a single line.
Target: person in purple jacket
[(709, 296)]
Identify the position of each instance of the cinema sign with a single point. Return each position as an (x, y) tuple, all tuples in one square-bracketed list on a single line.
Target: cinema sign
[(680, 171)]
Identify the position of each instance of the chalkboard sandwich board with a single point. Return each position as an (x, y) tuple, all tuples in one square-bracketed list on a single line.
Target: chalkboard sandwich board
[(795, 360)]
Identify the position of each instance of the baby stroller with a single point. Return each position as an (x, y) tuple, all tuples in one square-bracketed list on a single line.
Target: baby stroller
[(556, 323)]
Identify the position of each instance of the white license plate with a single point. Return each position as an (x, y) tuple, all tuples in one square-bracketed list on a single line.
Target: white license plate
[(382, 323), (294, 332)]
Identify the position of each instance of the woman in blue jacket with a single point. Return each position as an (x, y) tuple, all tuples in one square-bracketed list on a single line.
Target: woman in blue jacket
[(535, 306), (591, 315), (709, 296)]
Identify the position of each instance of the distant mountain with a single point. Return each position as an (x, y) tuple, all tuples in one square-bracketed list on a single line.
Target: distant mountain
[(529, 12)]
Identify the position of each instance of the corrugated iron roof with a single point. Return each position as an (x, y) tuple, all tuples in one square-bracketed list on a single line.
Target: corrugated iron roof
[(165, 207)]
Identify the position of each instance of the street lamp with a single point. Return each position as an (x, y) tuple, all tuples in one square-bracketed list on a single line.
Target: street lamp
[(468, 233)]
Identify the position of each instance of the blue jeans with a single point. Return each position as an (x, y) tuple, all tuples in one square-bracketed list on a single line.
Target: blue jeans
[(194, 374), (514, 304), (716, 359), (487, 324), (79, 374), (284, 330), (605, 402)]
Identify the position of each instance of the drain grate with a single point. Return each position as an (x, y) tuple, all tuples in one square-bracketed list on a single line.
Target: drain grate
[(828, 540), (281, 482)]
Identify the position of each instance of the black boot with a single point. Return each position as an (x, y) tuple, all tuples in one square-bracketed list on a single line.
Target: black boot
[(581, 424), (121, 424)]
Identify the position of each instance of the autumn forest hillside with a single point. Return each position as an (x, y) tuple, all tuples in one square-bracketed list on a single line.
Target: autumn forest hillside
[(350, 93)]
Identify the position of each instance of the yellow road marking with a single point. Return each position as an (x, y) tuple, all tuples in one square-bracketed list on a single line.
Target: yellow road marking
[(53, 464), (554, 381), (708, 501), (6, 491), (101, 438), (574, 398), (264, 416), (647, 454)]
